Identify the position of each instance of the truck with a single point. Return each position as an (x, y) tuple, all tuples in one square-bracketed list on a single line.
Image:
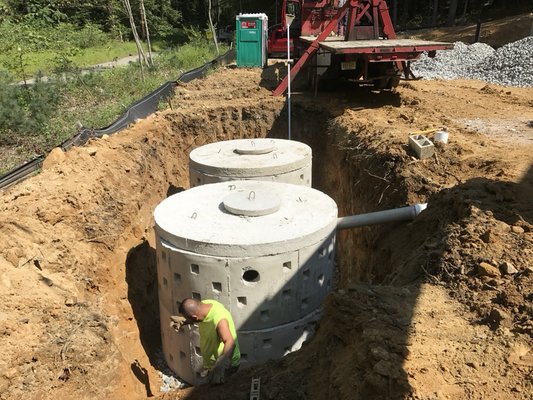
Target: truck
[(345, 39)]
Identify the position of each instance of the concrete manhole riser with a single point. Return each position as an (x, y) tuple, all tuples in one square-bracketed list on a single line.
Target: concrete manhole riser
[(275, 160), (272, 271)]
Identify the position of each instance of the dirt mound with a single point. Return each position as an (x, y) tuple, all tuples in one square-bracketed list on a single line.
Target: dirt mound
[(438, 308)]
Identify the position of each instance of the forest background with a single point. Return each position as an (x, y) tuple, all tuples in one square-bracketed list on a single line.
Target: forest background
[(60, 39)]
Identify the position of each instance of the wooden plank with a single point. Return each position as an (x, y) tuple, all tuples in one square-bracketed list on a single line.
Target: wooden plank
[(336, 44)]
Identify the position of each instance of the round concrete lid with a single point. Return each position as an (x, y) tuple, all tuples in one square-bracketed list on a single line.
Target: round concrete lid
[(252, 204), (255, 147), (250, 157), (196, 220)]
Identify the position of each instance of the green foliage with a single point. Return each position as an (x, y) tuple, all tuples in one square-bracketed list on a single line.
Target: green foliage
[(46, 114), (26, 110)]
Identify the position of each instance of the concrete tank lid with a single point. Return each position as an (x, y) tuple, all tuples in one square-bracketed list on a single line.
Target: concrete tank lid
[(250, 157), (196, 220)]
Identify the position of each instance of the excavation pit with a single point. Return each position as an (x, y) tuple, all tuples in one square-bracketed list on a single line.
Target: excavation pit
[(79, 259)]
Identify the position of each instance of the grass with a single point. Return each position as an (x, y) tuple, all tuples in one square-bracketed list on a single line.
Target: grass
[(47, 61), (94, 100)]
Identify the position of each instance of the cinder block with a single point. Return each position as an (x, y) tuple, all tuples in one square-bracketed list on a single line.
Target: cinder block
[(422, 146)]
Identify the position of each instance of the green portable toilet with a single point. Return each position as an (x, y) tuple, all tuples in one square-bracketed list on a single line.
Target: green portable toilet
[(252, 40)]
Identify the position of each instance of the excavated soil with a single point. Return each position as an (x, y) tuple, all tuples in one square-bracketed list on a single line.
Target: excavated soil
[(439, 308)]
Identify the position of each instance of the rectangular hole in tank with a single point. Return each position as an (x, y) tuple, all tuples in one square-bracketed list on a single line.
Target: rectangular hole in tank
[(287, 266), (265, 315), (305, 303), (217, 287), (241, 301), (195, 269)]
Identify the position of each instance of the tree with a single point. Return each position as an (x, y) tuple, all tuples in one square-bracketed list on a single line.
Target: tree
[(452, 12), (144, 24), (435, 13), (212, 27), (138, 43)]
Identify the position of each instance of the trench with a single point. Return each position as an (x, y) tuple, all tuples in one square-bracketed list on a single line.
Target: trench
[(344, 168)]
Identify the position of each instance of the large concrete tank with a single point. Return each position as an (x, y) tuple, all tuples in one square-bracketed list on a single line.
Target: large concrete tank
[(263, 249), (275, 160)]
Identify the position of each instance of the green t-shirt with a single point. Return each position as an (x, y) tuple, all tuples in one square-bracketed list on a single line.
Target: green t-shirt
[(210, 344)]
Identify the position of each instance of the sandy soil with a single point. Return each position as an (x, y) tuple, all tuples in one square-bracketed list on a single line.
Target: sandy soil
[(434, 309)]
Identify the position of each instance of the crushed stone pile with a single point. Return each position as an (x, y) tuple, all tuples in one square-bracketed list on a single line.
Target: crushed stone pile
[(510, 65)]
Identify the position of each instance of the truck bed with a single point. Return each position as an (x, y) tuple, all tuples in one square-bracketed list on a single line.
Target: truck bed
[(401, 47)]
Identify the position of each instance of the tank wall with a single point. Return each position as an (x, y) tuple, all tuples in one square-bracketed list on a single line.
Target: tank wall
[(300, 176), (274, 300)]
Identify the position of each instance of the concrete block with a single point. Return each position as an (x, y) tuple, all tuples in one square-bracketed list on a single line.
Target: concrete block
[(422, 146)]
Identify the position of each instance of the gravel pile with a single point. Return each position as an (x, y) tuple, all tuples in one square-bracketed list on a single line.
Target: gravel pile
[(452, 64), (510, 65)]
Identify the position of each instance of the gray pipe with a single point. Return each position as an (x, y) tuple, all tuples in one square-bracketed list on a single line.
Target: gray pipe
[(397, 214)]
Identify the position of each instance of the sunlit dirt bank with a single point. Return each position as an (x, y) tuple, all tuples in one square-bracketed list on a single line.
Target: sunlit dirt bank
[(436, 308)]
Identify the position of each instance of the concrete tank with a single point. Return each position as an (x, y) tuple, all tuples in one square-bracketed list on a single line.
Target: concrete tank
[(275, 160), (263, 249)]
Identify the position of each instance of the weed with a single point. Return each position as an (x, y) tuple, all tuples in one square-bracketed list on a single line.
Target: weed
[(35, 118)]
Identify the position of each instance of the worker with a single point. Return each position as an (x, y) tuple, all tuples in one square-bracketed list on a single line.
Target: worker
[(218, 338)]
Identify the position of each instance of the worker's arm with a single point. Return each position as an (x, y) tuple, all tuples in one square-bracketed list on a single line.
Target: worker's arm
[(223, 362), (226, 337)]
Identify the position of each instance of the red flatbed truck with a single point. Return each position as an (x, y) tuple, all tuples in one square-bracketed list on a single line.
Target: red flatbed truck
[(354, 40)]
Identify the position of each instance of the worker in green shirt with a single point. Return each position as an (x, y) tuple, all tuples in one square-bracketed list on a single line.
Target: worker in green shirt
[(218, 338)]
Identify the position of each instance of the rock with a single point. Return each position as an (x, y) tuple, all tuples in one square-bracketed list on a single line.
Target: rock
[(11, 373), (386, 368), (517, 229), (508, 268), (91, 151), (55, 157), (12, 256), (486, 269), (380, 353), (488, 237), (473, 364), (499, 318), (70, 301)]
